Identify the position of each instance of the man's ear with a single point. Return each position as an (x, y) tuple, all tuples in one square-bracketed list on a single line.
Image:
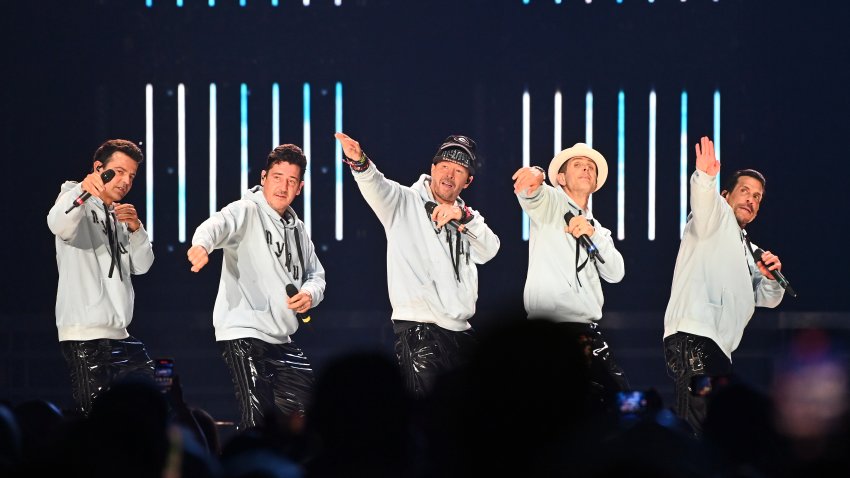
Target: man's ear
[(468, 182), (562, 179), (724, 193), (262, 178), (97, 166)]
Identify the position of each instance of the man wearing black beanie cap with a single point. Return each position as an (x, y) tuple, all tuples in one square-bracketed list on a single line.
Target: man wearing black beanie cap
[(434, 242)]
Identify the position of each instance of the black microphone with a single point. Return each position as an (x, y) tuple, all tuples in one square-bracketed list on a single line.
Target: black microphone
[(430, 205), (105, 176), (776, 274), (291, 290), (589, 246)]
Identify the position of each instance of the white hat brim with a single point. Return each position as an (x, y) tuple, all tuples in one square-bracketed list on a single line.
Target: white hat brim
[(579, 149)]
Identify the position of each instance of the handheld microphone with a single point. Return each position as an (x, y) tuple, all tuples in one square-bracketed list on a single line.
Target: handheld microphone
[(776, 274), (291, 290), (105, 176), (589, 246), (430, 205)]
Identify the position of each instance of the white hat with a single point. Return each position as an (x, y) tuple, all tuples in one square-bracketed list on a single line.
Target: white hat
[(579, 149)]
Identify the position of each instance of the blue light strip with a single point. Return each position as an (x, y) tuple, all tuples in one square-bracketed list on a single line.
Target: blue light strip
[(179, 3), (213, 149), (650, 233), (212, 3), (149, 4), (526, 150), (241, 3), (717, 130), (181, 163), (274, 4), (243, 137), (275, 115), (588, 131), (621, 165), (683, 166), (149, 160), (338, 163), (559, 124), (307, 182)]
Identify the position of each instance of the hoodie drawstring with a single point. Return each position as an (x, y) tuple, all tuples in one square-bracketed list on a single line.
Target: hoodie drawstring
[(114, 249)]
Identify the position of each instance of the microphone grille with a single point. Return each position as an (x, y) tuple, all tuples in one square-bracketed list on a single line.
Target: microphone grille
[(291, 290), (569, 215), (107, 175)]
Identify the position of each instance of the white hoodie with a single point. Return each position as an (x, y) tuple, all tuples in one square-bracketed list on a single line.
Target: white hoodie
[(89, 304), (553, 288), (423, 285), (257, 242), (716, 284)]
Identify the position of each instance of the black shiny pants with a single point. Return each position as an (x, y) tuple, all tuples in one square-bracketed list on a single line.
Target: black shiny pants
[(95, 364), (690, 356), (268, 378), (426, 351), (606, 376)]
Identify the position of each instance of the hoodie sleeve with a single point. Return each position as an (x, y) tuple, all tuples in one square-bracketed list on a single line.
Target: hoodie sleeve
[(383, 195), (141, 251), (315, 274), (224, 227), (541, 204), (706, 204), (614, 267), (487, 243), (768, 292), (64, 226)]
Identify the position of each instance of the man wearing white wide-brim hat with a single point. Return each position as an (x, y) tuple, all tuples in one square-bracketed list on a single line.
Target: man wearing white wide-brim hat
[(569, 251)]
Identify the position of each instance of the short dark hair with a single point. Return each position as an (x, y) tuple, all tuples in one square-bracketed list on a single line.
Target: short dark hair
[(109, 147), (732, 181), (287, 153)]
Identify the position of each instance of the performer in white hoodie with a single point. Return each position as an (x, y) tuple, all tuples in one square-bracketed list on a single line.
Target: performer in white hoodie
[(564, 275), (431, 263), (100, 243), (266, 251), (717, 282)]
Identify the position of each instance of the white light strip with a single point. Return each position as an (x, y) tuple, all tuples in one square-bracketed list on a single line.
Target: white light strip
[(338, 163), (213, 149), (683, 166), (717, 130), (526, 149), (243, 138), (149, 160), (307, 183), (650, 233), (621, 165), (588, 131), (181, 163), (275, 115), (558, 121)]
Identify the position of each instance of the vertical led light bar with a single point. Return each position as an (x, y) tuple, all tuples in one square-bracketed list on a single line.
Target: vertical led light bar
[(243, 137), (526, 149), (337, 2), (650, 233), (621, 165), (179, 3), (211, 3), (213, 149), (588, 130), (338, 162), (307, 182), (306, 3), (717, 129), (149, 3), (181, 163), (558, 121), (275, 115), (149, 160), (683, 166)]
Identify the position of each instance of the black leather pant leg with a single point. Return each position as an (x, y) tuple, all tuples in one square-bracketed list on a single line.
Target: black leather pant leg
[(688, 356), (268, 378), (426, 351), (95, 364)]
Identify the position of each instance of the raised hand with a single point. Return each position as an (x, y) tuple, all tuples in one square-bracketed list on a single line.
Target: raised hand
[(706, 160), (350, 148), (527, 179)]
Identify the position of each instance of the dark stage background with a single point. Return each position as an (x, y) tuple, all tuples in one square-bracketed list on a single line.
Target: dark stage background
[(413, 72)]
